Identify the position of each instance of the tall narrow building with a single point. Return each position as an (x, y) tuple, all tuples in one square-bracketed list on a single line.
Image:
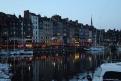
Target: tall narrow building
[(32, 26)]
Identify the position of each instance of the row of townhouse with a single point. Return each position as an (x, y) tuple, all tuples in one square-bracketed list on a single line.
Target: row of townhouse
[(32, 29)]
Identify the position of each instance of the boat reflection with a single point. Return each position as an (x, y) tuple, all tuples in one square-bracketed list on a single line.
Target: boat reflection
[(58, 67)]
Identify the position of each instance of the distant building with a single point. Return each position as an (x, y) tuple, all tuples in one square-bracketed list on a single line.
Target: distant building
[(86, 35), (58, 30), (32, 26), (10, 31), (74, 30), (32, 29), (64, 30), (112, 37), (27, 29), (46, 30)]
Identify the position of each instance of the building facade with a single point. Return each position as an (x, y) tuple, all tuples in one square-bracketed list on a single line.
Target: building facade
[(46, 33), (33, 25), (10, 31), (32, 29)]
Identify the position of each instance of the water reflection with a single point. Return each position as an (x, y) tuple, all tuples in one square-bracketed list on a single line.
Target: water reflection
[(58, 67)]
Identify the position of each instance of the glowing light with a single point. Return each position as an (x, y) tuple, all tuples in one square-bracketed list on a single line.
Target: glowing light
[(89, 40), (29, 68), (57, 54), (43, 46), (43, 57), (90, 59), (77, 42), (30, 58), (53, 64), (20, 46), (29, 45), (76, 56)]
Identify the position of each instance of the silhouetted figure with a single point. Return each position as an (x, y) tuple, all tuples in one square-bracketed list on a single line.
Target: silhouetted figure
[(89, 78), (84, 79)]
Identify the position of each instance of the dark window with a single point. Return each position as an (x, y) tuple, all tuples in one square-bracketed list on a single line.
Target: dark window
[(112, 76)]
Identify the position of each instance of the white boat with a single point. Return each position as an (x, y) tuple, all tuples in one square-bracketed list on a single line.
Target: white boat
[(5, 73), (2, 79), (119, 49), (108, 72), (4, 67), (21, 52), (96, 48)]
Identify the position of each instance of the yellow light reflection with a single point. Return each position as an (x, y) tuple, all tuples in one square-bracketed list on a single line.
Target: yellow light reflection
[(76, 56), (29, 45)]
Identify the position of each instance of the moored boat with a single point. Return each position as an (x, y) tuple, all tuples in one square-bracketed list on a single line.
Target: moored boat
[(108, 72)]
